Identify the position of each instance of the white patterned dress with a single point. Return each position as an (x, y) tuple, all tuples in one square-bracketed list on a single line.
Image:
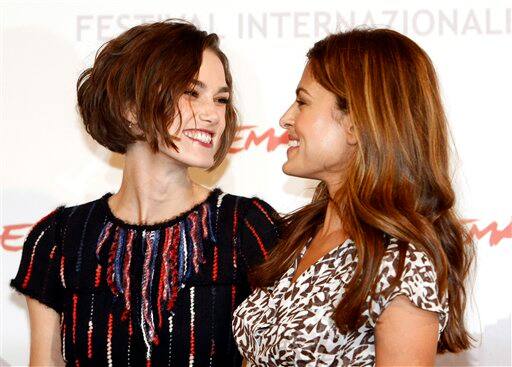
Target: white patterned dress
[(290, 324)]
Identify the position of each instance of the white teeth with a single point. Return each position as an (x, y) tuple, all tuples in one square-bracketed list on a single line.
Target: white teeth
[(293, 143), (199, 135)]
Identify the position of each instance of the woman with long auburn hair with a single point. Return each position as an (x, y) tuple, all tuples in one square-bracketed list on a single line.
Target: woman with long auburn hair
[(373, 270), (151, 274)]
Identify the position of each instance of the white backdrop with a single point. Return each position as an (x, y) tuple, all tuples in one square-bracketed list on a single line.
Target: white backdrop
[(48, 160)]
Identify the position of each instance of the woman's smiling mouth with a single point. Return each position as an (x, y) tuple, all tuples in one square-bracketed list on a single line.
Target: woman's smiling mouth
[(203, 137)]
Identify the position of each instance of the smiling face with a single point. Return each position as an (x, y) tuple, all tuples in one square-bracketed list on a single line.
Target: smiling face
[(203, 116), (321, 136)]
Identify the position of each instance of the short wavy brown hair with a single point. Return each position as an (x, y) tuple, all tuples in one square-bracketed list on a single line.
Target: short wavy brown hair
[(145, 70)]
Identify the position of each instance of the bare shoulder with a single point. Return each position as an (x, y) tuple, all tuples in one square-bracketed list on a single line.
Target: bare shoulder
[(406, 334)]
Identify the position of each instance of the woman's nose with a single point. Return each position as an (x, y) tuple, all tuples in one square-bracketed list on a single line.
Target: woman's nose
[(208, 113), (286, 121)]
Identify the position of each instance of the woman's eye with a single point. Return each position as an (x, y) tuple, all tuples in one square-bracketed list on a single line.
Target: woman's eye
[(300, 102), (191, 93), (223, 100)]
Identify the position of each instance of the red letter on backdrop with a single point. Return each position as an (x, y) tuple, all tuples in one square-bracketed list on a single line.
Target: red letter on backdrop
[(8, 236)]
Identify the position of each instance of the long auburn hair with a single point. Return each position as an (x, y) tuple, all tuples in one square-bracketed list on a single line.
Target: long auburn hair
[(398, 183)]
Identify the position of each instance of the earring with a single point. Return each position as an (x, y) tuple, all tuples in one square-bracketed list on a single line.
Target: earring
[(130, 125)]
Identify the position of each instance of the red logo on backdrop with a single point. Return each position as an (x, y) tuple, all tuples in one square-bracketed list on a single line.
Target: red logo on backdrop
[(269, 136), (12, 235), (496, 235)]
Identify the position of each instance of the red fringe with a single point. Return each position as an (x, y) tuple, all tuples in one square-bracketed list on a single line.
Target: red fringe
[(75, 302), (262, 209), (257, 237), (52, 254), (89, 343), (193, 234), (233, 296), (26, 280), (173, 258), (204, 223), (97, 279), (126, 272), (215, 263), (110, 327), (164, 274)]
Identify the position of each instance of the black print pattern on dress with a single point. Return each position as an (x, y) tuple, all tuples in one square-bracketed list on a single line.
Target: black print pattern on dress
[(290, 324)]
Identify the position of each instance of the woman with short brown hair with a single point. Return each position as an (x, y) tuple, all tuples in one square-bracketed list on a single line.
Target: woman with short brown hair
[(149, 275), (373, 270)]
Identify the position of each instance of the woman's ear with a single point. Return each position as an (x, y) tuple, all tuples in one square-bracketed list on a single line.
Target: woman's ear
[(131, 118), (350, 130)]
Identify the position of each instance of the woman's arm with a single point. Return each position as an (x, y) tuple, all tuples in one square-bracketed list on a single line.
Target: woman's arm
[(45, 345), (406, 335)]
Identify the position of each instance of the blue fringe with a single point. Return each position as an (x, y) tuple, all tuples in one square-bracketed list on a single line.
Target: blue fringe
[(155, 237), (210, 224), (119, 260), (102, 234), (190, 248), (181, 257), (199, 236), (143, 239)]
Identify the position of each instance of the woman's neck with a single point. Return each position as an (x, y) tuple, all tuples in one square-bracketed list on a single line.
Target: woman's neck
[(154, 187), (333, 223)]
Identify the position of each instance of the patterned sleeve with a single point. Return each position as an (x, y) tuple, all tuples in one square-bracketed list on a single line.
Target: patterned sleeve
[(258, 232), (38, 272), (418, 283)]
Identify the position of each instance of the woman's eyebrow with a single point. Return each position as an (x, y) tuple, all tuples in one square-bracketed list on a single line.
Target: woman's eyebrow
[(199, 84), (303, 90)]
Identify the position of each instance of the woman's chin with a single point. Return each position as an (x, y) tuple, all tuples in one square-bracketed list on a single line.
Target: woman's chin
[(288, 169), (201, 165)]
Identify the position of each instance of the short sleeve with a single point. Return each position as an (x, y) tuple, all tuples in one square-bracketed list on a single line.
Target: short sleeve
[(258, 231), (418, 283), (38, 272)]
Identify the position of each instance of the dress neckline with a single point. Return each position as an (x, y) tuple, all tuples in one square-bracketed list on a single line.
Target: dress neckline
[(316, 263), (212, 196)]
